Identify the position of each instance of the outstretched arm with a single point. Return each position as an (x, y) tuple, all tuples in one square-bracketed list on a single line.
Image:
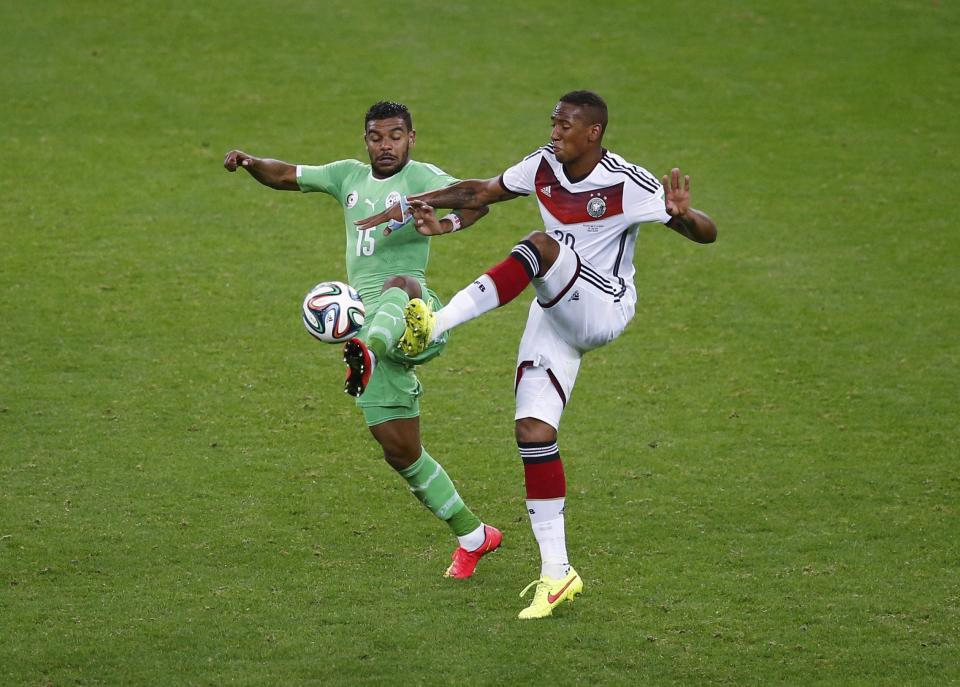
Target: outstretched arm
[(472, 193), (428, 224), (685, 220), (273, 173)]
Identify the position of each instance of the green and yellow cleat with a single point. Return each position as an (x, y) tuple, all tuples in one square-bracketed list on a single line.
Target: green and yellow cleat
[(420, 320), (550, 594)]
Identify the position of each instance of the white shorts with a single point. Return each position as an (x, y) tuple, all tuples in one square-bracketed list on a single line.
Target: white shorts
[(577, 309)]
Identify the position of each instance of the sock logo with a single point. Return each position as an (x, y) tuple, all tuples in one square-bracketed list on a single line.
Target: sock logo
[(532, 512), (479, 285)]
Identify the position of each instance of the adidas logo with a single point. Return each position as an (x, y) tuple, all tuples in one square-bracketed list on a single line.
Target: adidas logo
[(575, 296), (545, 190)]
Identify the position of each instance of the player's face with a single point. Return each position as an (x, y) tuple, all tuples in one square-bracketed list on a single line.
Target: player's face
[(388, 144), (573, 133)]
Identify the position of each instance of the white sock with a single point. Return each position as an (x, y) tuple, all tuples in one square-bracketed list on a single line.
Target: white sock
[(472, 541), (546, 520), (473, 301)]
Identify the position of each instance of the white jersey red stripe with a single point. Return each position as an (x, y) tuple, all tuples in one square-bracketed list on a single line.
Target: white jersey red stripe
[(598, 216)]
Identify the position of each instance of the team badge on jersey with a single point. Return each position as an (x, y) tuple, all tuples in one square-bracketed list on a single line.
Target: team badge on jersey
[(352, 199), (596, 207), (392, 199)]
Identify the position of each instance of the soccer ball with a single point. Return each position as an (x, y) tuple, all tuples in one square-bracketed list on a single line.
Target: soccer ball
[(333, 311)]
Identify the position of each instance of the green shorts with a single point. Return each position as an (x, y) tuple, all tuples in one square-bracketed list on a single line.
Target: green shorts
[(394, 390)]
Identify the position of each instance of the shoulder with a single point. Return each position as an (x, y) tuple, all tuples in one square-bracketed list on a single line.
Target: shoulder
[(353, 165), (341, 166), (634, 175), (426, 169), (421, 177), (542, 151)]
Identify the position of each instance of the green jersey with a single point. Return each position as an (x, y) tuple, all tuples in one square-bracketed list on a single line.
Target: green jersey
[(372, 257)]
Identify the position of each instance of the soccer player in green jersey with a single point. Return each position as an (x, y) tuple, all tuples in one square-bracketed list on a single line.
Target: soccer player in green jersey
[(388, 271)]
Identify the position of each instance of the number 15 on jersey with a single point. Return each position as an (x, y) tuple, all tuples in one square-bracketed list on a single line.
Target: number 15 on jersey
[(365, 242)]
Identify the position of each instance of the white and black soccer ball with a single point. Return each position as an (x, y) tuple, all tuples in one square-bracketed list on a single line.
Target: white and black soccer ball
[(333, 312)]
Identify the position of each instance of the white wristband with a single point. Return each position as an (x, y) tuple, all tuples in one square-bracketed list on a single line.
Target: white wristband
[(454, 220)]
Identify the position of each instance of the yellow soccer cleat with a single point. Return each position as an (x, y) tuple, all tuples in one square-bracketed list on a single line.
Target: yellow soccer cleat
[(419, 319), (550, 594)]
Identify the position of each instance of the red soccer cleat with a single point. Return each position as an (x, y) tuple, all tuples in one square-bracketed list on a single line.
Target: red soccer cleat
[(464, 562), (359, 366)]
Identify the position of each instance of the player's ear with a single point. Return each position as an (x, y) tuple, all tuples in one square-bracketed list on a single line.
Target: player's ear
[(413, 136)]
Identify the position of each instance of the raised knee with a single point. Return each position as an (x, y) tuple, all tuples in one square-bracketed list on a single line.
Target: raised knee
[(546, 246), (408, 284), (542, 240), (530, 430)]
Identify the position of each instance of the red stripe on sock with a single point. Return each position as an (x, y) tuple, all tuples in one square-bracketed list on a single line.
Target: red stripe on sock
[(510, 278), (545, 480)]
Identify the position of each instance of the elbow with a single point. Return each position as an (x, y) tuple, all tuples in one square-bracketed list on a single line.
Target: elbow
[(707, 231)]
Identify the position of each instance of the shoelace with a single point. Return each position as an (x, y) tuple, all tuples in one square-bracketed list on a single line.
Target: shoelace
[(527, 588)]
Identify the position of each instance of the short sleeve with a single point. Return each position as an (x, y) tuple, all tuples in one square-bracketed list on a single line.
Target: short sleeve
[(648, 208), (433, 178), (521, 178), (325, 178)]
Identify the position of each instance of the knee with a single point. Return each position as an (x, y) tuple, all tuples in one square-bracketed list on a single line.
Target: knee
[(399, 461), (541, 240), (400, 453), (529, 430), (408, 284), (546, 245)]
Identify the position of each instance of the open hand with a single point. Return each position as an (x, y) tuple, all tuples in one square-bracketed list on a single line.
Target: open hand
[(392, 212), (676, 198), (425, 219)]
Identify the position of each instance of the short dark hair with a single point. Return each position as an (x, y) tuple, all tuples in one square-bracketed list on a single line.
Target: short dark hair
[(589, 99), (386, 109)]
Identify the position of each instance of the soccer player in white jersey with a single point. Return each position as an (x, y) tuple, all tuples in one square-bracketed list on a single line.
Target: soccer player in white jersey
[(592, 202)]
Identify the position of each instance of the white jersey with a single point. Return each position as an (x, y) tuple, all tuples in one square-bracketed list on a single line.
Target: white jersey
[(599, 215)]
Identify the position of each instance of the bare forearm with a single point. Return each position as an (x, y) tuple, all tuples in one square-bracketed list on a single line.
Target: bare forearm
[(273, 173), (695, 225), (472, 193), (469, 216)]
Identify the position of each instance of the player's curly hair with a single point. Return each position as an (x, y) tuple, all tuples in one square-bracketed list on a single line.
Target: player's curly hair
[(590, 100), (386, 109)]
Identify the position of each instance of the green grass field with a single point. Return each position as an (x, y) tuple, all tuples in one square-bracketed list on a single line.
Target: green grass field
[(763, 471)]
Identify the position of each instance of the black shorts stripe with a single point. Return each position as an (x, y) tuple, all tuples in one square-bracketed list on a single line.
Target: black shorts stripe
[(616, 295), (591, 276)]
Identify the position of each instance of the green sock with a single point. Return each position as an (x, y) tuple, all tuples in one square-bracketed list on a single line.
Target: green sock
[(387, 324), (430, 483)]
